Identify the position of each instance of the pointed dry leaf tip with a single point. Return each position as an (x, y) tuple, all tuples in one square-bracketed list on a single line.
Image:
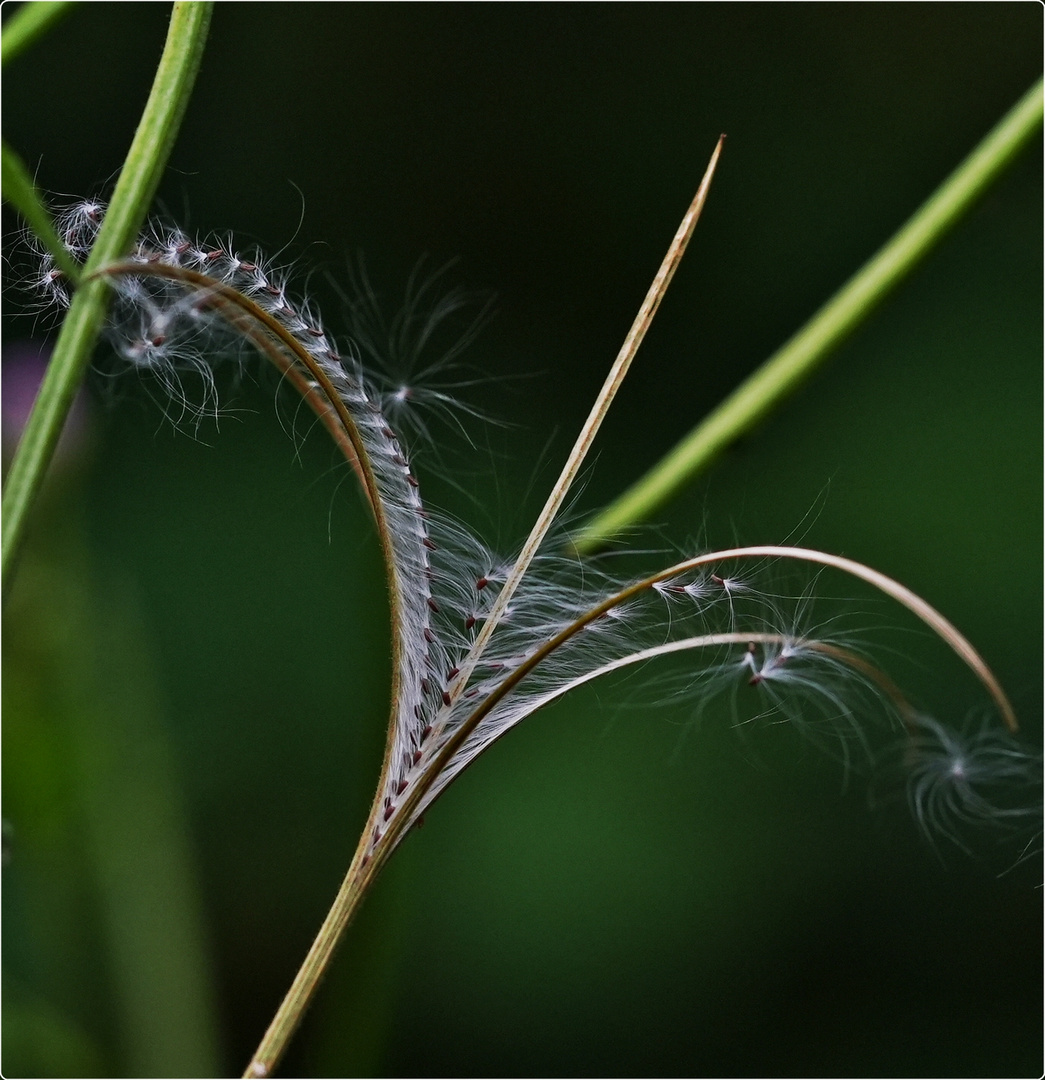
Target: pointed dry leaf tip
[(619, 369)]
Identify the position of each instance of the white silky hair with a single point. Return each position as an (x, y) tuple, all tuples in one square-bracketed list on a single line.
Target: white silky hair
[(567, 621)]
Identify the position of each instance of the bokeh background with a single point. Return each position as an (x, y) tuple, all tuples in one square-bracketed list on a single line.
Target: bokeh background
[(196, 656)]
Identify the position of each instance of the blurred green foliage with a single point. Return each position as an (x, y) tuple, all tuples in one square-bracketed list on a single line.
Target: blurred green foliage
[(616, 889)]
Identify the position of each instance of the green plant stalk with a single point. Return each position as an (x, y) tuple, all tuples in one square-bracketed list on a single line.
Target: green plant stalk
[(129, 809), (20, 191), (130, 202), (791, 364), (29, 23)]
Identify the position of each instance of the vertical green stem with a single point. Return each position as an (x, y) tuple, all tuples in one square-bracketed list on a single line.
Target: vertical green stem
[(791, 364), (130, 202)]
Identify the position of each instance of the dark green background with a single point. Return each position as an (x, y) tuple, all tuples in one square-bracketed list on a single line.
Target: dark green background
[(611, 891)]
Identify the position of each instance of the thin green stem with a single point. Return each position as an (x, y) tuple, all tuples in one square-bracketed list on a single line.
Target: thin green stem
[(790, 365), (28, 23), (139, 178)]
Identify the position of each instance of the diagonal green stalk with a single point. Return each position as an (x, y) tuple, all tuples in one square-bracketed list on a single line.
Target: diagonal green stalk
[(130, 202), (29, 22), (795, 361), (20, 191)]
